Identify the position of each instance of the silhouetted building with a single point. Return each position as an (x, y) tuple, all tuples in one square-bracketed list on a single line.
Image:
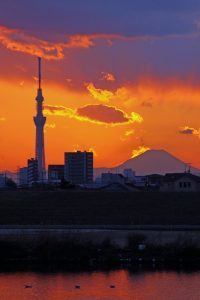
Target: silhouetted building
[(155, 180), (2, 180), (109, 178), (180, 182), (79, 167), (32, 173), (23, 176), (140, 181), (129, 174), (55, 173)]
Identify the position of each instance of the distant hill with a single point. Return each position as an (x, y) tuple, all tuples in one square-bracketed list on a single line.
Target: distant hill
[(150, 162)]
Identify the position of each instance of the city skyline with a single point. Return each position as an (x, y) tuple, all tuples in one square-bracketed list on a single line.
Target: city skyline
[(115, 90)]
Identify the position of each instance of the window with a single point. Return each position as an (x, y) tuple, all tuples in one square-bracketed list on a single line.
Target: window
[(180, 184)]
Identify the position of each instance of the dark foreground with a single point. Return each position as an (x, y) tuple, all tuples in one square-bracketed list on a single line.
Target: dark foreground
[(99, 207), (67, 252)]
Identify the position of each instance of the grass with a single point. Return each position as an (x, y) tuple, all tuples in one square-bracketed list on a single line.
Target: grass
[(102, 207)]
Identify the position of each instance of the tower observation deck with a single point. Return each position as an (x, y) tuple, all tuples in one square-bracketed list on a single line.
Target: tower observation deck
[(40, 121)]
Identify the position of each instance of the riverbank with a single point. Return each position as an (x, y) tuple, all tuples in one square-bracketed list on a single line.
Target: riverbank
[(70, 251), (66, 207)]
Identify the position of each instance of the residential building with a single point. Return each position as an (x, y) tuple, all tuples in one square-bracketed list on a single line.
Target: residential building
[(55, 174), (109, 178), (155, 181), (32, 171), (140, 181), (79, 167), (2, 181), (23, 176), (129, 174), (180, 182)]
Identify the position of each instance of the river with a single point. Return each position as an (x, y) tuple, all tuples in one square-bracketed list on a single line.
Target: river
[(113, 285)]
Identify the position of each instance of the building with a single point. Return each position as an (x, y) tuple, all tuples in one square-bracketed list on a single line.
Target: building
[(32, 172), (154, 181), (129, 174), (2, 181), (55, 174), (180, 182), (40, 121), (79, 167), (110, 178), (23, 176), (140, 181)]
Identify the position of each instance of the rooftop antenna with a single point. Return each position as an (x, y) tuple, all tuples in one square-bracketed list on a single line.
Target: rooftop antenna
[(39, 72), (188, 168)]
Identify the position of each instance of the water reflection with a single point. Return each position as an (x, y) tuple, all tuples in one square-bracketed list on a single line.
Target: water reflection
[(98, 285)]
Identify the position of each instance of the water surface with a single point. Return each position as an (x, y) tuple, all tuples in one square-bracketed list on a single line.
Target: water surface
[(97, 285)]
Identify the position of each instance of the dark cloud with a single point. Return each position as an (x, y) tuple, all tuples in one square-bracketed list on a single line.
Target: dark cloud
[(189, 131), (103, 113), (107, 114), (98, 114)]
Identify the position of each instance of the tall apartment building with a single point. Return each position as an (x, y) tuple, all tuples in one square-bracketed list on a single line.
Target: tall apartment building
[(32, 172), (79, 167)]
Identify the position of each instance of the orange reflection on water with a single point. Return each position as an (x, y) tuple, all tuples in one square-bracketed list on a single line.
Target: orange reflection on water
[(96, 286)]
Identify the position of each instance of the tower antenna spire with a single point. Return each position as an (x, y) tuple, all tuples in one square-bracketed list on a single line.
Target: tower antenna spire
[(39, 72), (40, 121)]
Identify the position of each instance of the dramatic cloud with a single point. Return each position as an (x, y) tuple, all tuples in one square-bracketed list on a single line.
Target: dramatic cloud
[(189, 131), (17, 40), (97, 114), (99, 94), (139, 151), (129, 132)]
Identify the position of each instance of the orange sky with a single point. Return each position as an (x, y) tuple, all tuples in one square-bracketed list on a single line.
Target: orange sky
[(90, 105)]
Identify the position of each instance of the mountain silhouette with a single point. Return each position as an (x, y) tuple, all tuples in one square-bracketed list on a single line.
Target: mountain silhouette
[(151, 162)]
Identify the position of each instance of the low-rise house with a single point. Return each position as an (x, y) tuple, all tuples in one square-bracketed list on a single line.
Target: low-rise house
[(140, 181), (180, 182), (55, 174), (2, 181), (155, 181), (109, 178)]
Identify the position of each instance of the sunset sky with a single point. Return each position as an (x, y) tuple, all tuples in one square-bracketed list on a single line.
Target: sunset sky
[(119, 77)]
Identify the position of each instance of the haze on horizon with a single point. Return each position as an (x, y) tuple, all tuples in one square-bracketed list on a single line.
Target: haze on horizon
[(120, 77)]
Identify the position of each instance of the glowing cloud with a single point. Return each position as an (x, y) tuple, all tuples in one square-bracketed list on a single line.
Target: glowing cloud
[(129, 132), (190, 131), (17, 40), (97, 114), (108, 77), (99, 94), (108, 114), (2, 119), (139, 151), (50, 125), (80, 41)]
